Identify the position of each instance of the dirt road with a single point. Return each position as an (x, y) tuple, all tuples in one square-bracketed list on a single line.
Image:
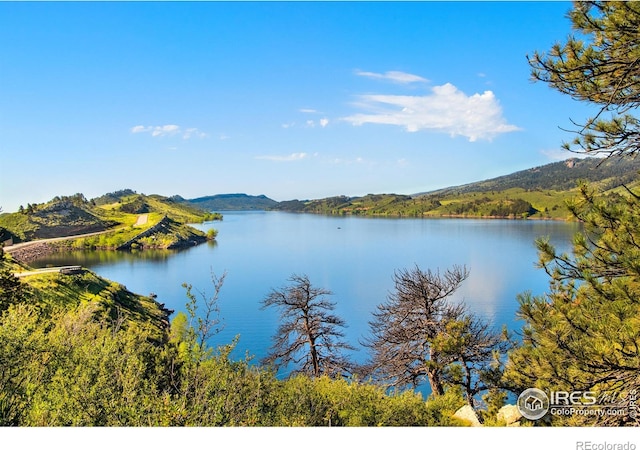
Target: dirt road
[(142, 220)]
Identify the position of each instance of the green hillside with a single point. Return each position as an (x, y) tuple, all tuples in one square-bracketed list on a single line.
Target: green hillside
[(541, 192), (109, 300), (128, 202), (81, 350), (559, 176), (62, 216), (122, 219)]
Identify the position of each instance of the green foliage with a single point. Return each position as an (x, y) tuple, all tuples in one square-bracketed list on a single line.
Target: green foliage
[(112, 302), (61, 216), (113, 197), (99, 377), (599, 65), (211, 234), (18, 225), (83, 353), (441, 408), (494, 399), (585, 334), (11, 290), (135, 205), (21, 339), (303, 401), (540, 192), (67, 369), (369, 205), (419, 334), (70, 216)]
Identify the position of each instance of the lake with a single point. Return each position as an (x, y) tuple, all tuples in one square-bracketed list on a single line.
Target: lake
[(353, 257)]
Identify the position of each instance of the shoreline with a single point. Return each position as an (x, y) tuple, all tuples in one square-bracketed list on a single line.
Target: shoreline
[(37, 250), (26, 252), (425, 216)]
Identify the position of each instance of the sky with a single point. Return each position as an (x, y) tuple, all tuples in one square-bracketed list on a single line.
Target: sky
[(293, 100)]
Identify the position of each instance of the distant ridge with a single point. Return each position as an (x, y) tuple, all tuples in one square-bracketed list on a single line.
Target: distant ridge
[(233, 202), (558, 176), (540, 192)]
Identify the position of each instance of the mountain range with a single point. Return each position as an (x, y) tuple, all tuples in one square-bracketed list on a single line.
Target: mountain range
[(538, 192)]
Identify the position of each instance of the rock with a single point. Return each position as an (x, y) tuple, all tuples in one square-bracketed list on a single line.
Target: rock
[(509, 414), (468, 413), (29, 253)]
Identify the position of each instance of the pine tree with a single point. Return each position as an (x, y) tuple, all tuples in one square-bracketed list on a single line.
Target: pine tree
[(599, 65), (584, 335)]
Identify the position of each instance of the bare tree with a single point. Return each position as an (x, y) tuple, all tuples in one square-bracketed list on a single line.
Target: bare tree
[(209, 323), (419, 334), (309, 334), (404, 328)]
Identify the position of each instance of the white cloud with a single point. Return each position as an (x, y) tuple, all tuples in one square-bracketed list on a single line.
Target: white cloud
[(292, 157), (446, 109), (308, 110), (394, 76), (168, 130), (309, 123), (165, 130), (140, 129)]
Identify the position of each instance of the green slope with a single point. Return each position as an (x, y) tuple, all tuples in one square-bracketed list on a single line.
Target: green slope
[(122, 215), (559, 176), (112, 301), (541, 192)]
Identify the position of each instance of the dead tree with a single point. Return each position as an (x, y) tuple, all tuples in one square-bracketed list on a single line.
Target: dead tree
[(309, 336)]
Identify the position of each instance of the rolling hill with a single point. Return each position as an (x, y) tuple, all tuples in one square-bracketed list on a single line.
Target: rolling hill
[(540, 192), (117, 213), (233, 202), (559, 176)]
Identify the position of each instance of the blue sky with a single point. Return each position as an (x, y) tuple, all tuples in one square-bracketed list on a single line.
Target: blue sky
[(287, 99)]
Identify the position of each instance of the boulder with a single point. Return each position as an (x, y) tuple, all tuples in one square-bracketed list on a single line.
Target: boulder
[(509, 414), (468, 414)]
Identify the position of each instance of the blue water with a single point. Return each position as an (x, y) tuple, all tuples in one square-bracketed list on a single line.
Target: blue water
[(353, 257)]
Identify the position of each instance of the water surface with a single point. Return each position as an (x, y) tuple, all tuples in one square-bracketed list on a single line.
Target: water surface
[(353, 257)]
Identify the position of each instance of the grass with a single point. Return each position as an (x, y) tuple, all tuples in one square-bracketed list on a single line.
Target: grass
[(69, 216), (549, 204), (70, 291)]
